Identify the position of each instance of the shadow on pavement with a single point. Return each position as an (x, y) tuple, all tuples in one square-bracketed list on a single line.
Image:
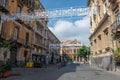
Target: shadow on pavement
[(57, 73), (50, 73)]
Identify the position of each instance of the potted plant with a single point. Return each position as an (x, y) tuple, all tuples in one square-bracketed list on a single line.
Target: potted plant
[(1, 72), (6, 70), (117, 54)]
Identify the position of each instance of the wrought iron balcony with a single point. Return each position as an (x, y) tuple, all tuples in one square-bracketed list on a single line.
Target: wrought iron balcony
[(115, 27), (29, 3), (4, 6), (28, 24), (22, 1), (112, 1), (114, 4), (39, 32), (39, 43)]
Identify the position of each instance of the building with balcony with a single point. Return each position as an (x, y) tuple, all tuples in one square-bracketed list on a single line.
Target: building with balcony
[(115, 22), (54, 51), (31, 36), (19, 32), (40, 35), (101, 41)]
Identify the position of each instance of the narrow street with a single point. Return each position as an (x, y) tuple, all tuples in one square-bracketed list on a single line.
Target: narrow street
[(73, 71)]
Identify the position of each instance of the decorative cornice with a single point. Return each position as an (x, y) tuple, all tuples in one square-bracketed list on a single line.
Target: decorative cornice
[(99, 25)]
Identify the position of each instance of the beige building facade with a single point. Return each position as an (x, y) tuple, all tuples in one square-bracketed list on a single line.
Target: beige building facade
[(115, 22), (53, 47), (104, 23)]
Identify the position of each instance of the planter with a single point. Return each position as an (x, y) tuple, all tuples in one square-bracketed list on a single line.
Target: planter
[(5, 70), (1, 75), (117, 58), (6, 74)]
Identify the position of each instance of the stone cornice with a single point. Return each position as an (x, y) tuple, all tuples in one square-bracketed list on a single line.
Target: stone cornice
[(99, 25)]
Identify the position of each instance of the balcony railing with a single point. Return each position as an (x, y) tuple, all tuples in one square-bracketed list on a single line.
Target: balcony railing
[(4, 5), (19, 20), (115, 26), (42, 22), (39, 44), (112, 1), (39, 32), (29, 3), (28, 24), (22, 1)]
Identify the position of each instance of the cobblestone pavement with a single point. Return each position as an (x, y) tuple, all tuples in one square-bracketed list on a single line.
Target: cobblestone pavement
[(74, 71)]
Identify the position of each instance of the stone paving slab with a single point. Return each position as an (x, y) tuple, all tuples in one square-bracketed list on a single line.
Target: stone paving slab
[(75, 71)]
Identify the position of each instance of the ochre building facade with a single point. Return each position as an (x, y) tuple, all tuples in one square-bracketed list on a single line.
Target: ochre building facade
[(104, 38)]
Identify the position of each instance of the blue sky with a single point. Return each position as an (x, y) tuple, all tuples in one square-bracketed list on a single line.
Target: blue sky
[(72, 27), (51, 4)]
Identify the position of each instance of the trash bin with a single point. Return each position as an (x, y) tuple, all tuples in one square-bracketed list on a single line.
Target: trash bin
[(29, 64)]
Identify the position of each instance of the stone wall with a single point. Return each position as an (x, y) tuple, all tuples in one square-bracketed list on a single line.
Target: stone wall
[(105, 62)]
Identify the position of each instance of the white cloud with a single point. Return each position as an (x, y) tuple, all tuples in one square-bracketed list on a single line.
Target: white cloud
[(66, 30)]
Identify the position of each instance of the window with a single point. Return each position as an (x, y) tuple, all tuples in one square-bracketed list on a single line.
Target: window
[(95, 44), (2, 28), (29, 3), (35, 49), (94, 16), (91, 23), (100, 42), (105, 6), (99, 9), (37, 7), (4, 2), (106, 37), (19, 9), (117, 15), (91, 44), (74, 50), (16, 33), (27, 38), (95, 41)]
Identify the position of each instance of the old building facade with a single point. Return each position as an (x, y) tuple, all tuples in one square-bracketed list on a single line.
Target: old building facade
[(17, 31), (39, 47), (29, 36), (54, 50), (104, 22), (115, 22), (70, 48)]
